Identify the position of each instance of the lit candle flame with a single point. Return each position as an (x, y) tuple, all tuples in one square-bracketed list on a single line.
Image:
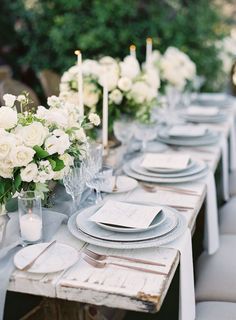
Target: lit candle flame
[(77, 52), (149, 40)]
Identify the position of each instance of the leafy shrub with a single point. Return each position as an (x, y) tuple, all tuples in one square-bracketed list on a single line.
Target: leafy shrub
[(50, 30)]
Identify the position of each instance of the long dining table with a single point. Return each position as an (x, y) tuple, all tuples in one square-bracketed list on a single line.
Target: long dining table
[(123, 288)]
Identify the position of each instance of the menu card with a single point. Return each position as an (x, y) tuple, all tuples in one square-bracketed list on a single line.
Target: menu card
[(165, 161), (187, 131), (126, 214), (202, 111)]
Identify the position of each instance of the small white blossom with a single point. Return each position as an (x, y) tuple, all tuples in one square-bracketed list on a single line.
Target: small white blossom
[(9, 100), (94, 119)]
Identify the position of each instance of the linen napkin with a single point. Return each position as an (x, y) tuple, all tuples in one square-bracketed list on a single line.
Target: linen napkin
[(232, 144), (225, 167), (11, 244), (211, 232), (186, 289)]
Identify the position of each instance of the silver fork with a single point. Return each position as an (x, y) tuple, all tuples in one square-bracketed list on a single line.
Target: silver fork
[(101, 257), (101, 264)]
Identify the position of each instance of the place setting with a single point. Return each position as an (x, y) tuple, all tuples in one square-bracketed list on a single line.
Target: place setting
[(124, 225), (188, 135), (166, 168), (204, 114)]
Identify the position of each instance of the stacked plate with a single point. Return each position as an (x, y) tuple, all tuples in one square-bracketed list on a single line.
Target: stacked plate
[(193, 171), (221, 100), (204, 114), (189, 139), (165, 227)]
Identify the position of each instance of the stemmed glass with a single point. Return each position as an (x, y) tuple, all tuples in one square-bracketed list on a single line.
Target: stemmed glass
[(74, 182), (104, 174), (93, 164), (123, 131), (145, 132), (173, 96)]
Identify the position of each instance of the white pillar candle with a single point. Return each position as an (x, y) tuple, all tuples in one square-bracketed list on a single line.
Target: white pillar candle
[(132, 50), (148, 49), (80, 82), (105, 114), (31, 227)]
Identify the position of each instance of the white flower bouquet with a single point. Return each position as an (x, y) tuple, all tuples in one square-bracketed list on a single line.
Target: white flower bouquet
[(132, 91), (38, 148), (175, 67)]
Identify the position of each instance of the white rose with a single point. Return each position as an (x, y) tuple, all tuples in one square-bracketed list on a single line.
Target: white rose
[(94, 119), (9, 100), (116, 96), (80, 135), (130, 67), (91, 67), (6, 173), (109, 72), (22, 98), (20, 156), (68, 162), (6, 145), (8, 118), (153, 79), (139, 92), (64, 87), (57, 143), (124, 84), (29, 173), (45, 172), (54, 102), (66, 77), (91, 94), (53, 116), (33, 134)]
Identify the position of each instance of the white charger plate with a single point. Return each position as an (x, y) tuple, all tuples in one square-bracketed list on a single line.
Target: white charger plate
[(124, 184), (212, 138), (155, 242), (128, 170), (92, 229), (159, 219), (58, 257), (197, 167)]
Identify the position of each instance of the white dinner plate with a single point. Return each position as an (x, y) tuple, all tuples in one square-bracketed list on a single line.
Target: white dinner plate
[(128, 170), (58, 257), (155, 242), (196, 167), (124, 184), (92, 229), (160, 217), (210, 138), (205, 119)]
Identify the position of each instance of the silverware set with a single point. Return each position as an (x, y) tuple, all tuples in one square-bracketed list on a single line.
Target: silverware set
[(153, 188), (97, 260)]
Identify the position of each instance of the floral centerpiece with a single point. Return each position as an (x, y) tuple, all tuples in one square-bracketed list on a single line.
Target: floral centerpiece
[(38, 148), (132, 92), (175, 67)]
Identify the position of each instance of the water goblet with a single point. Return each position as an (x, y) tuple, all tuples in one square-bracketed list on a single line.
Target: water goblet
[(145, 132), (74, 182)]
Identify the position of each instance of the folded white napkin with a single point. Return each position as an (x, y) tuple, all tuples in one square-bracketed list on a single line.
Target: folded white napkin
[(202, 111), (211, 234), (183, 244), (165, 161), (187, 131)]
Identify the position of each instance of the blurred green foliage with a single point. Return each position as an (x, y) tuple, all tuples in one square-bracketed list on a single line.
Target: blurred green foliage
[(50, 30)]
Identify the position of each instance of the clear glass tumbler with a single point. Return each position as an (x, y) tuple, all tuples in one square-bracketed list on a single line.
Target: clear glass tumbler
[(30, 217)]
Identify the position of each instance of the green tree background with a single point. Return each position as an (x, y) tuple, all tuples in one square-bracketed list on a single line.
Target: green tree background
[(46, 32)]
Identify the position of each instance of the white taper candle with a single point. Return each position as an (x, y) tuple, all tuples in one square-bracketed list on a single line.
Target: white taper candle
[(105, 114), (80, 82), (148, 49), (132, 50)]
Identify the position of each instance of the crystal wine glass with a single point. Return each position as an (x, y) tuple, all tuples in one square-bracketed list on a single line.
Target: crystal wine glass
[(145, 132), (74, 182)]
